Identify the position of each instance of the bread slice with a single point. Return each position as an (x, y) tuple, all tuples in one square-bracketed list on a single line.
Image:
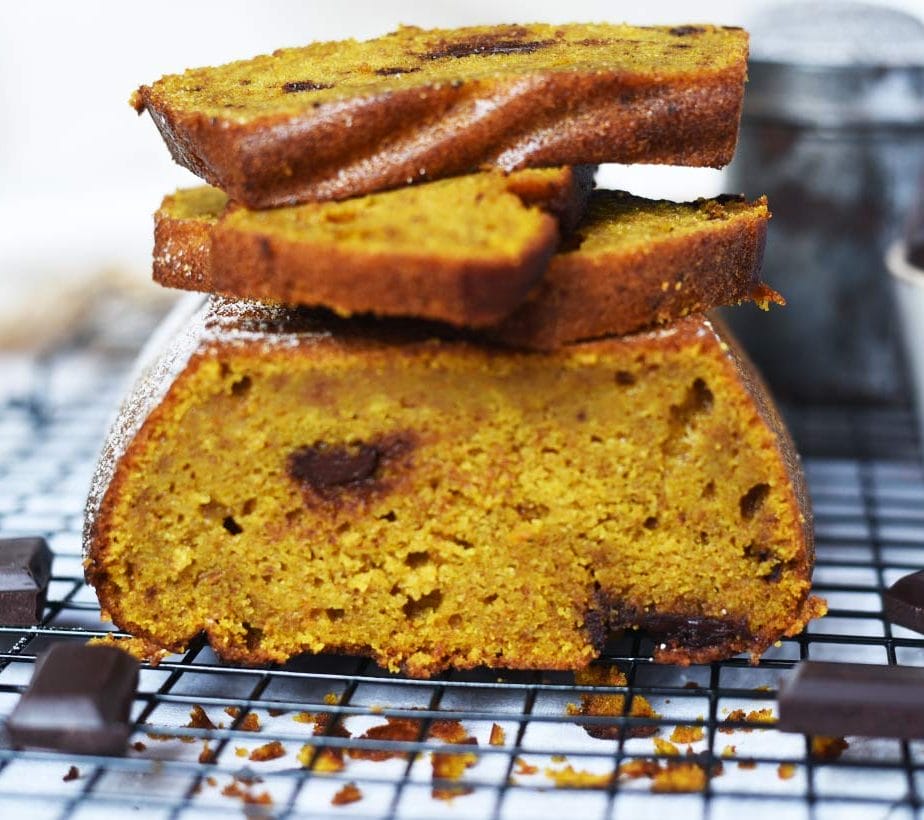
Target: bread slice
[(635, 262), (632, 262), (289, 483), (464, 250), (339, 119)]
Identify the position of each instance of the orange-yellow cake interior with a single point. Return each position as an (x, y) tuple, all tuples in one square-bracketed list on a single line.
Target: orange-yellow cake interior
[(441, 504)]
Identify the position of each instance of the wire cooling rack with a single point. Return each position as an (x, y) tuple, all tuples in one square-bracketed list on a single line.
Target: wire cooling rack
[(867, 483)]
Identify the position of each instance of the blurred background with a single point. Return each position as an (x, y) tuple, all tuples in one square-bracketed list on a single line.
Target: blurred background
[(833, 133)]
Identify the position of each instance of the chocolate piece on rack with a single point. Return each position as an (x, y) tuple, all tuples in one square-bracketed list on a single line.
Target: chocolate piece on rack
[(25, 567), (78, 701), (903, 602), (822, 698), (916, 252)]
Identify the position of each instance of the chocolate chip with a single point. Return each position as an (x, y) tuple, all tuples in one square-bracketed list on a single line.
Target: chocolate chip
[(692, 632), (485, 47), (304, 85), (686, 31), (387, 71), (323, 465), (753, 500)]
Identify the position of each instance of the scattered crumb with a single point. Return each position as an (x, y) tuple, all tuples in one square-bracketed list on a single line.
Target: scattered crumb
[(207, 755), (198, 719), (762, 716), (729, 751), (251, 723), (350, 793), (734, 716), (240, 751), (396, 729), (755, 716), (691, 684), (523, 768), (559, 758), (450, 731), (665, 747), (571, 778), (233, 711), (498, 735), (211, 781), (451, 767), (639, 767), (763, 688), (139, 648), (828, 748), (687, 734), (303, 717), (747, 764), (331, 725), (786, 771), (164, 737), (237, 789), (613, 705), (268, 751), (331, 699), (327, 760), (679, 777), (138, 746), (72, 774), (375, 709), (275, 712)]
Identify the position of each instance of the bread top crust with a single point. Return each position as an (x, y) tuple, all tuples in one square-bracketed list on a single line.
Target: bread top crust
[(294, 82), (338, 120)]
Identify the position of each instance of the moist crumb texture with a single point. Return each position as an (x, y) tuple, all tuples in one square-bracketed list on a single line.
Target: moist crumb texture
[(434, 503), (465, 250), (630, 263), (337, 119)]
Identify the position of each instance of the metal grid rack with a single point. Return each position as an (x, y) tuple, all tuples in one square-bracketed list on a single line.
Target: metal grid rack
[(867, 483)]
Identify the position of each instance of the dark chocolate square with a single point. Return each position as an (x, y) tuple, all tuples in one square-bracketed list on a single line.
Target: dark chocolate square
[(79, 700), (903, 602), (25, 567)]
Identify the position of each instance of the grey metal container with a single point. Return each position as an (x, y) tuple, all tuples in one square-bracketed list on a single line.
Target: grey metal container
[(833, 133)]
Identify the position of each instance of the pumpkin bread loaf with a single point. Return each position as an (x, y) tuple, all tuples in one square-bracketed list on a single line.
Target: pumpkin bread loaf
[(288, 482), (464, 250), (339, 119), (632, 262)]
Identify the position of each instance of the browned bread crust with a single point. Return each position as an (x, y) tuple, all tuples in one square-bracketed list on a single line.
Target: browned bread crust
[(632, 263), (465, 250), (703, 255), (335, 120), (224, 561)]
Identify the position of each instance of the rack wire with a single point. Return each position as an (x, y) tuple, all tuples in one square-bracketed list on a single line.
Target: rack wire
[(867, 482)]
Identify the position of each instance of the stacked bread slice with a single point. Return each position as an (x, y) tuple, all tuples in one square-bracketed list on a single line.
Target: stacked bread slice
[(447, 406)]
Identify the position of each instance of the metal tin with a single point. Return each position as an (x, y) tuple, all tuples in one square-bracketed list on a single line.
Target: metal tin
[(833, 132)]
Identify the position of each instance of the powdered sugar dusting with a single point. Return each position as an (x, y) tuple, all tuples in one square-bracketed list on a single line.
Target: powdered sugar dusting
[(196, 324)]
